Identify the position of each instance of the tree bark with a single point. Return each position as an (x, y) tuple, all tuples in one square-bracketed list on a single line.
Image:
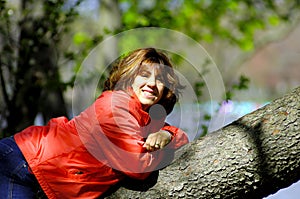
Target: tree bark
[(251, 158)]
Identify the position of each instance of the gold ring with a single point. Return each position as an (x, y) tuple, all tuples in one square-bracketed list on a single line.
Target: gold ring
[(156, 145)]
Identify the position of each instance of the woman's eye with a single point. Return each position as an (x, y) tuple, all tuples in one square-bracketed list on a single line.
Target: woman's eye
[(144, 74), (160, 78)]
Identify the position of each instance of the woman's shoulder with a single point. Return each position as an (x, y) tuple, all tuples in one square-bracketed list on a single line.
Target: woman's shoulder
[(117, 98), (118, 95), (118, 103)]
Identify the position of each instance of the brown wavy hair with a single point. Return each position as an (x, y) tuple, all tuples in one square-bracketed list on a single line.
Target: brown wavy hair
[(126, 68)]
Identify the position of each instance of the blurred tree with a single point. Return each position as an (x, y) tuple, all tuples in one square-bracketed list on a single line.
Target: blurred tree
[(30, 80)]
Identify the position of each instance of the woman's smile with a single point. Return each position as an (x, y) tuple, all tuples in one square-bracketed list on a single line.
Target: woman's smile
[(148, 93)]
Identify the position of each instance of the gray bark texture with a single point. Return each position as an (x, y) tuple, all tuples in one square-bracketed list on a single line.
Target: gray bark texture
[(252, 157)]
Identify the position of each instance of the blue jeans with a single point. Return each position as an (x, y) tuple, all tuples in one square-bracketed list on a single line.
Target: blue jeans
[(16, 180)]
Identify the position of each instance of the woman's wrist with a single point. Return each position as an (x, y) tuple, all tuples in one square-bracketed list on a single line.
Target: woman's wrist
[(168, 134)]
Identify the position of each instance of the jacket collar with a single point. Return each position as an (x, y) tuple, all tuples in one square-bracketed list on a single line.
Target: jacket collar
[(136, 104)]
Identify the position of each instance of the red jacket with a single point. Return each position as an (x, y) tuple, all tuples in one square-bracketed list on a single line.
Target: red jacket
[(83, 157)]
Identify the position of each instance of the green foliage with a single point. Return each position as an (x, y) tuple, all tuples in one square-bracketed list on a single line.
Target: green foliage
[(200, 84), (81, 38), (234, 20), (204, 128), (242, 84)]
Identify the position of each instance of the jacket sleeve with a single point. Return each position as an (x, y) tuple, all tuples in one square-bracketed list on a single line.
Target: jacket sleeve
[(121, 138), (179, 137)]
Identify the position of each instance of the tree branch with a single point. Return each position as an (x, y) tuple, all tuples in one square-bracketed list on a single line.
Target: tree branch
[(251, 158)]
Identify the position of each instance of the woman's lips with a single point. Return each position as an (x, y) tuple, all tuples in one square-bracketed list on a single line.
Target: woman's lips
[(148, 94)]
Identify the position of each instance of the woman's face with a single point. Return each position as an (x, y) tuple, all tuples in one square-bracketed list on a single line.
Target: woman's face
[(148, 85)]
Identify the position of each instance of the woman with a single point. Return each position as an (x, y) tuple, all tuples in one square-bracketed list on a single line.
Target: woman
[(121, 134)]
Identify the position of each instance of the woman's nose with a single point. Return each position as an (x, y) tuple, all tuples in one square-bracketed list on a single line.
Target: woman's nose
[(152, 80)]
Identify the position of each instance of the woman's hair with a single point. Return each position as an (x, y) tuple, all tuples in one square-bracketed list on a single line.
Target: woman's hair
[(125, 69)]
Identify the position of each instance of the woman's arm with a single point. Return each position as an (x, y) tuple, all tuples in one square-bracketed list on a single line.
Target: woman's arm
[(122, 136)]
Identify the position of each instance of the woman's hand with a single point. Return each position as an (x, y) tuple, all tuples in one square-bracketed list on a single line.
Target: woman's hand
[(157, 140)]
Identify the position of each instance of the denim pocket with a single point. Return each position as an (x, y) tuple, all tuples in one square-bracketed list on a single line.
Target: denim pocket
[(12, 162), (4, 148), (21, 172)]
